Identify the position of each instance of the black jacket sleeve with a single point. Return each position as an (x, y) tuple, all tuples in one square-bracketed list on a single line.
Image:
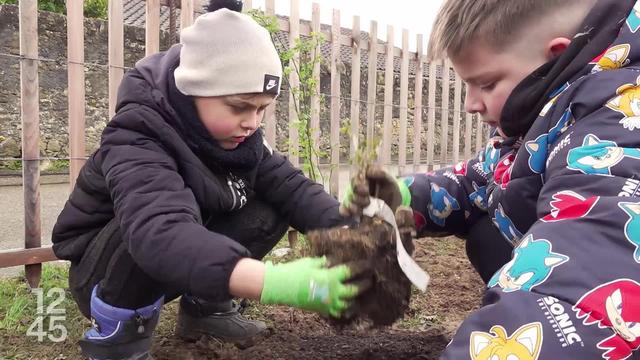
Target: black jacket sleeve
[(304, 202)]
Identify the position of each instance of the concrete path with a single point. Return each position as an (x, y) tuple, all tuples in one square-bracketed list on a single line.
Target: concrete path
[(53, 197)]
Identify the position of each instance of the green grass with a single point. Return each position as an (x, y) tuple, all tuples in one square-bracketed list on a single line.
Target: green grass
[(19, 310), (58, 165), (13, 165)]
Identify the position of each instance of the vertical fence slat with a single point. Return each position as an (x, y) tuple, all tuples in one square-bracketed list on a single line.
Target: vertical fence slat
[(468, 127), (152, 27), (444, 114), (186, 13), (269, 120), (355, 89), (294, 83), (29, 107), (372, 75), (335, 103), (456, 119), (76, 95), (270, 113), (354, 138), (270, 7), (404, 102), (315, 96), (479, 136), (247, 5), (116, 52), (431, 115), (417, 115), (388, 99)]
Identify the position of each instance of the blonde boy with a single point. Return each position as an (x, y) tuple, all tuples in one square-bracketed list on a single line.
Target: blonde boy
[(559, 81)]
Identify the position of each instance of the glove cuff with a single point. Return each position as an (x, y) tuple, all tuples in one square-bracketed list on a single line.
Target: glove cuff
[(405, 193), (272, 290)]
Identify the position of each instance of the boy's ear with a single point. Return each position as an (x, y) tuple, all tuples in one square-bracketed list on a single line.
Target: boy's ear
[(556, 47)]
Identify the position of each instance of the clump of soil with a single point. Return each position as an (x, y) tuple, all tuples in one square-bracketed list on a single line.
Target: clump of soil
[(371, 243)]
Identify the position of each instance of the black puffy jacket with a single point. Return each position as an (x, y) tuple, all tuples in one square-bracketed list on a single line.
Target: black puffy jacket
[(148, 175)]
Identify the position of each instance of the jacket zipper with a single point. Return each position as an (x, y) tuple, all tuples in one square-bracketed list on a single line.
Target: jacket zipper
[(233, 193)]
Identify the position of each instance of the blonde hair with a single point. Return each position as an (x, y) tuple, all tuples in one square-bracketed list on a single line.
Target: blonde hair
[(497, 22)]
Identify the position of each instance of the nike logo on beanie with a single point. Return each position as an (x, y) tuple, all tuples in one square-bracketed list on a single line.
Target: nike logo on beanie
[(271, 84)]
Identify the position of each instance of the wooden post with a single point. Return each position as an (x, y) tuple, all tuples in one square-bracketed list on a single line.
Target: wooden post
[(456, 119), (417, 115), (354, 139), (335, 103), (315, 96), (270, 113), (294, 84), (152, 27), (76, 95), (270, 7), (372, 79), (186, 13), (431, 115), (247, 5), (388, 100), (444, 120), (468, 127), (116, 52), (479, 134), (270, 124), (29, 106), (404, 102)]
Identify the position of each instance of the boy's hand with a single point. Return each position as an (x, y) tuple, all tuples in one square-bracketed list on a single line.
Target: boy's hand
[(308, 284), (377, 183)]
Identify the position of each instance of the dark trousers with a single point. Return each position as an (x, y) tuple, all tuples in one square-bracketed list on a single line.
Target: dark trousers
[(257, 226), (486, 248)]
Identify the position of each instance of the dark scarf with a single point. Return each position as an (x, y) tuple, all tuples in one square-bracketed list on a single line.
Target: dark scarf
[(599, 29), (243, 158)]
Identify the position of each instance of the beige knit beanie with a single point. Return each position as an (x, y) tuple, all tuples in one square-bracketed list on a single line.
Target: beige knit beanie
[(226, 53)]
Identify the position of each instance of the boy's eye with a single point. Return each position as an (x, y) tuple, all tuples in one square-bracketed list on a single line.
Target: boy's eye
[(238, 109), (488, 87)]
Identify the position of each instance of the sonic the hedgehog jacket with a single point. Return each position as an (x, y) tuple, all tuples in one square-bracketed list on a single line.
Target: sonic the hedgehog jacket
[(568, 199)]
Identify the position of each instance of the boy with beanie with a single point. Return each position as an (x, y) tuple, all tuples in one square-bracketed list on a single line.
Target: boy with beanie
[(559, 80), (184, 197)]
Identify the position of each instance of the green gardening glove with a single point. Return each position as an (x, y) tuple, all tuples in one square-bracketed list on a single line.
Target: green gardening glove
[(308, 284), (376, 182)]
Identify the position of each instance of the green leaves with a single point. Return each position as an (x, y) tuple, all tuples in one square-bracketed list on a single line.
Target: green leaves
[(92, 8)]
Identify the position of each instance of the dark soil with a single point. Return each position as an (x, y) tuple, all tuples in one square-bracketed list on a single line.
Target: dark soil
[(423, 333), (371, 245)]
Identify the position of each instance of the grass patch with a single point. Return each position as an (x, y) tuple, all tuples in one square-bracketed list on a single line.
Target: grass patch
[(21, 314), (58, 165), (13, 165)]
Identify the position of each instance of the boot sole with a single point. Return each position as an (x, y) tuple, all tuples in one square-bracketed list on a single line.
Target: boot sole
[(192, 334), (118, 351)]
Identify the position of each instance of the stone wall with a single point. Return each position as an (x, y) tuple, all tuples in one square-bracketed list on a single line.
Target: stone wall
[(52, 72), (53, 89)]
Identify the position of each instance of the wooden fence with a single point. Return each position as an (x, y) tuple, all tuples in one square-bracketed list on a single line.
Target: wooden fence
[(439, 79)]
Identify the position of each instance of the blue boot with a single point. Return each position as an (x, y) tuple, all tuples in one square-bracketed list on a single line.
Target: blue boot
[(120, 333)]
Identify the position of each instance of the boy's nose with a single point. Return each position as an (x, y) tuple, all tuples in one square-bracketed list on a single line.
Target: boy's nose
[(473, 104), (252, 121)]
